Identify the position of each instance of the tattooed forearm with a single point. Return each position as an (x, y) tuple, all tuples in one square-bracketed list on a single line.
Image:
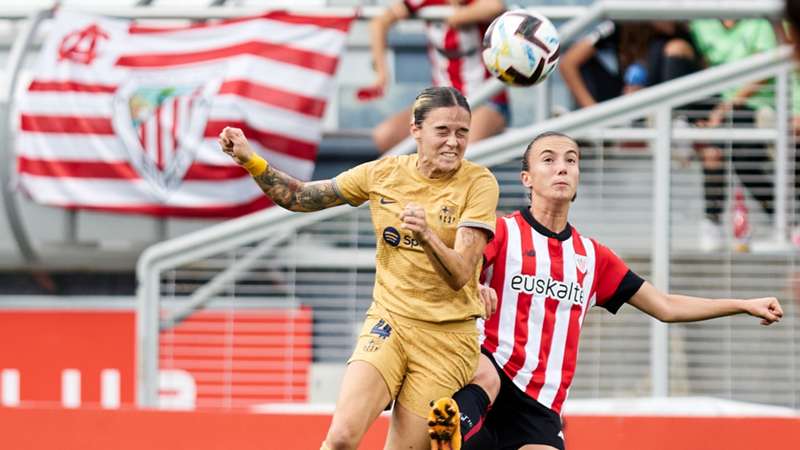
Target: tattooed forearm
[(296, 195)]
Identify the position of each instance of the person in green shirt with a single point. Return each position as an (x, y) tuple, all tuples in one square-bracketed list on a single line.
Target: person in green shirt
[(789, 32), (720, 42)]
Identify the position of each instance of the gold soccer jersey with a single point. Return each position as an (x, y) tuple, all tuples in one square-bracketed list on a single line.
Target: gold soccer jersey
[(405, 282)]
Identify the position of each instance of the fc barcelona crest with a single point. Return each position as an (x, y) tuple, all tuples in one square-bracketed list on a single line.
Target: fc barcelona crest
[(162, 127)]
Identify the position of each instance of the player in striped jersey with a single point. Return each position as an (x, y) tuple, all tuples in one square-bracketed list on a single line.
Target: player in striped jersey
[(544, 276), (454, 51)]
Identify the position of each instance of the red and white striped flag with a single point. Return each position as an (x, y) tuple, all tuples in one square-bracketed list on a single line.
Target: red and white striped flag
[(120, 117)]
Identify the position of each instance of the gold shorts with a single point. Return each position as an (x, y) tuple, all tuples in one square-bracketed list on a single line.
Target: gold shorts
[(419, 361)]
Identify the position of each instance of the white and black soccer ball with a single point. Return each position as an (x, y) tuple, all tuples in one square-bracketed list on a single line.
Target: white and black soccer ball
[(521, 48)]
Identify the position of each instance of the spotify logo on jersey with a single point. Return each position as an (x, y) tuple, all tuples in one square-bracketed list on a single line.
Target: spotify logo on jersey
[(391, 236)]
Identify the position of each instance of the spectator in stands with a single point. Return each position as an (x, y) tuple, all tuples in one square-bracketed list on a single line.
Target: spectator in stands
[(433, 214), (793, 16), (454, 49), (788, 32), (720, 42), (617, 58)]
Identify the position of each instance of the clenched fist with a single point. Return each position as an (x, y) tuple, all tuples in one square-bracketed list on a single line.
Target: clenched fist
[(413, 218), (235, 145), (768, 309)]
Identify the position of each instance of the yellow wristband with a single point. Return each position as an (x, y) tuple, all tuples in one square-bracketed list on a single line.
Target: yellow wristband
[(256, 166)]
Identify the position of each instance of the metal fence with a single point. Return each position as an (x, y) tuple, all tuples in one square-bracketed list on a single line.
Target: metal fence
[(637, 195)]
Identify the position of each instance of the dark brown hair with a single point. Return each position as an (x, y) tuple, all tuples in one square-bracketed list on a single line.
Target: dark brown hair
[(634, 39), (436, 97), (792, 12), (525, 156)]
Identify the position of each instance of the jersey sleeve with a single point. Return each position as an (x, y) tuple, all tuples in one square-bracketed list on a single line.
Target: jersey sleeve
[(492, 249), (415, 5), (616, 283), (604, 35), (481, 205), (353, 185)]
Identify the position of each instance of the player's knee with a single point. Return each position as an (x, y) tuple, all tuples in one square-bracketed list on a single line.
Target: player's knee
[(382, 138), (489, 381), (342, 437)]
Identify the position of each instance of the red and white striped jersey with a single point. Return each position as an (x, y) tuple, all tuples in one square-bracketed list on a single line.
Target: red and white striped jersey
[(545, 284), (455, 53)]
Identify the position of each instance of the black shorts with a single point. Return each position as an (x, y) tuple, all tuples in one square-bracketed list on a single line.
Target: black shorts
[(516, 419)]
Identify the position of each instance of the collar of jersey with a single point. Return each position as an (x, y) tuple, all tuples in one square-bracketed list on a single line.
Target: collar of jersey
[(565, 234), (411, 166)]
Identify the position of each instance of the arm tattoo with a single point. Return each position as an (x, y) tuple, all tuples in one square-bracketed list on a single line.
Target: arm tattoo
[(296, 195), (469, 237)]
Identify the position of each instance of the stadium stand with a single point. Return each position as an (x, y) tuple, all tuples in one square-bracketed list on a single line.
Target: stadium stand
[(247, 284)]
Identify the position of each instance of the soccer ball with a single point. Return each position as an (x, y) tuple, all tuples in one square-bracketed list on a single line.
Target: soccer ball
[(521, 48)]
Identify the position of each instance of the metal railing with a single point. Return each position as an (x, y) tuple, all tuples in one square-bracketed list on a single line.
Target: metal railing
[(22, 217), (333, 270), (345, 253)]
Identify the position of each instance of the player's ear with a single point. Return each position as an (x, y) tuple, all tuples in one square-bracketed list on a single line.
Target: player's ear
[(416, 132), (525, 177)]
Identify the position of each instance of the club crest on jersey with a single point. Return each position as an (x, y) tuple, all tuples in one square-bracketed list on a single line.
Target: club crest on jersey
[(382, 329), (581, 262), (571, 292), (447, 214), (161, 126)]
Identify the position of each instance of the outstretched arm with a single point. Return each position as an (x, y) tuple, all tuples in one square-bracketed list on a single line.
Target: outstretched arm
[(455, 265), (378, 31), (475, 12), (284, 190), (683, 308), (570, 67)]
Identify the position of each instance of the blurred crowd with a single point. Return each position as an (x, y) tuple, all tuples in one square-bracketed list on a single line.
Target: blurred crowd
[(620, 58), (614, 59)]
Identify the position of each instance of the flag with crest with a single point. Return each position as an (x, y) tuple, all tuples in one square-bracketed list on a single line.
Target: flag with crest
[(124, 117)]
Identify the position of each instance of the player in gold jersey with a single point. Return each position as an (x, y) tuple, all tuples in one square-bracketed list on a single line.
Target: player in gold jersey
[(433, 213)]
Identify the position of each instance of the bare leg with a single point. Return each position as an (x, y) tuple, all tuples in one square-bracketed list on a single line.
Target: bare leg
[(407, 431), (362, 398), (487, 378), (486, 122), (392, 131)]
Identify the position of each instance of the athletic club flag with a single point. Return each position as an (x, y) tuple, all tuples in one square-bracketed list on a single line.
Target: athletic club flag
[(121, 117)]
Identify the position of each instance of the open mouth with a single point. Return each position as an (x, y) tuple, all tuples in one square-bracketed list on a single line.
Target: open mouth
[(449, 155)]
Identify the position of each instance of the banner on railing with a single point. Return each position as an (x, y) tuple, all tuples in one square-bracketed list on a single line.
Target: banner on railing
[(123, 117)]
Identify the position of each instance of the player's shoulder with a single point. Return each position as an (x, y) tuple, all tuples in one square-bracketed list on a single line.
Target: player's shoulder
[(503, 220), (601, 250), (388, 165), (475, 172)]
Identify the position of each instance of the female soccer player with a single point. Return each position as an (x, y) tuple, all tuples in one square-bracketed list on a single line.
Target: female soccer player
[(545, 276), (433, 213)]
